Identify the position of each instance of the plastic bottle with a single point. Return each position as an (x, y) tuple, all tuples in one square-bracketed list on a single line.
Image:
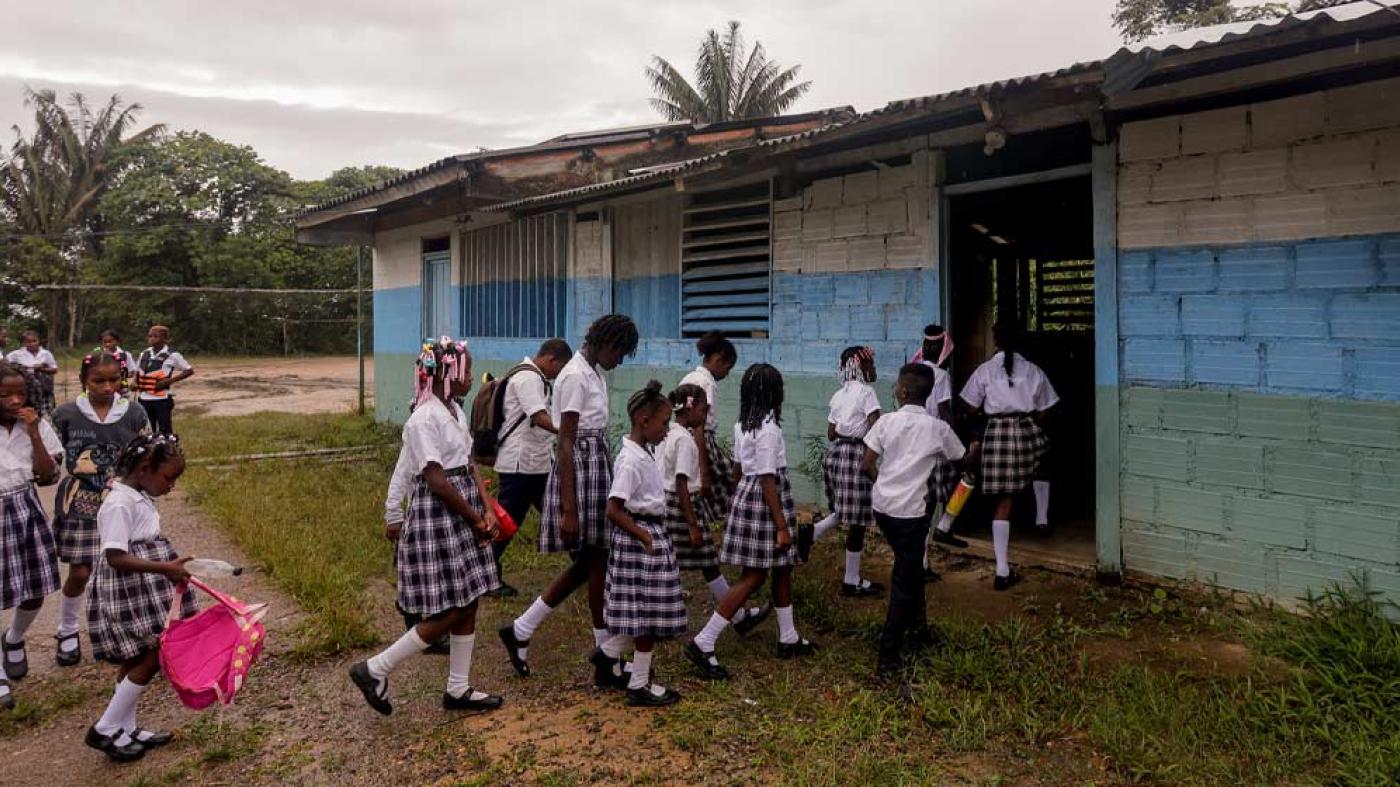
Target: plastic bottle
[(960, 495), (209, 568)]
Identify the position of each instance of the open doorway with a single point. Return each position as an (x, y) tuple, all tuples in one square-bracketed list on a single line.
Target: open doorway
[(1026, 253)]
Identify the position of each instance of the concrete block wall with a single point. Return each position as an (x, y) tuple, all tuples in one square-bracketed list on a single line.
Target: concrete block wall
[(1260, 354)]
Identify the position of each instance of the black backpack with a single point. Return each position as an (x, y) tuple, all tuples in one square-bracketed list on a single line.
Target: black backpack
[(489, 414)]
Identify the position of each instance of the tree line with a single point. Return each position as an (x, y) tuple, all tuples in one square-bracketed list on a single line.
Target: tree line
[(88, 197)]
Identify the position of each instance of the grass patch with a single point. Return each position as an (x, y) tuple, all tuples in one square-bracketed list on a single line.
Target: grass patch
[(36, 704)]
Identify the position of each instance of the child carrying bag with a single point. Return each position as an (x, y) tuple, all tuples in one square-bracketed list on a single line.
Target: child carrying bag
[(207, 656)]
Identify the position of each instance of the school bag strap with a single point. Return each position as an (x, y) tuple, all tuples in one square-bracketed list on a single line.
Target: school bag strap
[(489, 414), (245, 613)]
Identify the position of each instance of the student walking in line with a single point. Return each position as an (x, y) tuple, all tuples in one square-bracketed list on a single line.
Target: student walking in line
[(1014, 395), (758, 534), (112, 343), (643, 600), (679, 457), (527, 437), (576, 493), (35, 358), (717, 359), (94, 428), (158, 368), (934, 354), (853, 410), (133, 586), (443, 552), (29, 451), (908, 445)]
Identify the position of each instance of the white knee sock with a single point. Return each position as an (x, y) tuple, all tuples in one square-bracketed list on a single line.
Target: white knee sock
[(531, 619), (1001, 542), (852, 567), (641, 670), (928, 544), (787, 630), (719, 588), (1042, 502), (406, 646), (825, 526), (600, 636), (121, 708), (459, 663), (945, 522), (19, 625), (709, 635), (613, 647), (68, 609)]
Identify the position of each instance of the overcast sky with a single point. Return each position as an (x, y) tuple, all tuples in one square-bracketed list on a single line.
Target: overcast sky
[(313, 86)]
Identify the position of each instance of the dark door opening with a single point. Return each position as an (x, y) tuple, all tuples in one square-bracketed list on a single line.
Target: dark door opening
[(1026, 253)]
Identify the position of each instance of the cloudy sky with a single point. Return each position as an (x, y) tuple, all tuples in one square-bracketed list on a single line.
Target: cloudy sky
[(317, 85)]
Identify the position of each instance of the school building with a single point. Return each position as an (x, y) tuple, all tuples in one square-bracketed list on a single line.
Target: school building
[(1201, 236)]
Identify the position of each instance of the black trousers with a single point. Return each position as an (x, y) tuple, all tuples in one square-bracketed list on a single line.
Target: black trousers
[(159, 411), (518, 493), (908, 609)]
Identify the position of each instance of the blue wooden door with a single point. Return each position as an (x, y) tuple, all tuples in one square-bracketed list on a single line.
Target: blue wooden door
[(437, 295)]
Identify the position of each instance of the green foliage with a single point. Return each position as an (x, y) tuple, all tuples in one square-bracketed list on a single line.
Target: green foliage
[(730, 82), (1139, 19), (813, 462)]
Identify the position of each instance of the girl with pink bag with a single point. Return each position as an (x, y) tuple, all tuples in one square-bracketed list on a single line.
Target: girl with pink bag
[(132, 590)]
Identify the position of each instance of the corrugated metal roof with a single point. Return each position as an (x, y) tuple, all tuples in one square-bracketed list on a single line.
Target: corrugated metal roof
[(1220, 34)]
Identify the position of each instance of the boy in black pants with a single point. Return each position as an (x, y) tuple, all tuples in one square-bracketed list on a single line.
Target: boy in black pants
[(902, 450)]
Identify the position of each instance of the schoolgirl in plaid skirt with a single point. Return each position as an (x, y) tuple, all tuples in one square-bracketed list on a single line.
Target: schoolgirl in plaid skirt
[(852, 412), (717, 359), (29, 451), (576, 494), (133, 586), (643, 600), (758, 534), (1014, 395), (443, 552)]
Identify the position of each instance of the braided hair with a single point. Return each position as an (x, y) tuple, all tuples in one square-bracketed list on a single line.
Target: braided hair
[(760, 396), (716, 343), (148, 450), (613, 330), (442, 360), (1007, 336), (853, 360), (687, 395), (100, 357), (648, 397), (33, 389)]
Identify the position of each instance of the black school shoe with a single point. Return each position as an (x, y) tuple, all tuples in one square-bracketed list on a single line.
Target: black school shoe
[(806, 535), (1005, 583), (752, 617), (152, 739), (504, 591), (14, 670), (68, 658), (465, 702), (107, 744), (607, 672), (7, 700), (792, 650), (645, 698), (513, 645), (947, 539), (368, 686), (703, 666), (866, 589)]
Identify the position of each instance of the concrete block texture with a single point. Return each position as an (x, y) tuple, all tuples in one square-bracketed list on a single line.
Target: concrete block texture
[(1336, 264), (1371, 316), (787, 226), (1158, 138), (1255, 172), (1138, 499), (1188, 178), (1215, 131), (1135, 182), (1151, 456), (1309, 471), (1155, 360), (1210, 412), (1255, 268), (1234, 463), (1213, 315), (827, 256), (1218, 221), (823, 194), (1145, 226), (787, 256), (1357, 533), (1141, 406), (1225, 362), (866, 253), (818, 224), (1378, 372), (848, 221), (1277, 123), (889, 216), (1290, 216), (1363, 106), (908, 251), (1334, 162), (894, 180), (1190, 508), (1277, 521), (1293, 315), (1308, 366), (1301, 574), (1388, 257), (860, 188), (1272, 416), (1378, 481), (1153, 552), (1365, 210), (1149, 315), (1233, 564), (851, 291), (1388, 156), (1184, 271), (1374, 424), (1135, 272)]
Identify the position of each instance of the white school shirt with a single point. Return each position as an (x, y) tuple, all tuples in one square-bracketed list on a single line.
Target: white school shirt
[(702, 377), (762, 452), (680, 454), (174, 362), (942, 388), (399, 485), (17, 456), (637, 481), (909, 441), (580, 388), (989, 389), (851, 406), (32, 361), (435, 434), (127, 515), (528, 449)]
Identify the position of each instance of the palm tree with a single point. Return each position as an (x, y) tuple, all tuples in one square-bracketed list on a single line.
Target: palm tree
[(729, 84)]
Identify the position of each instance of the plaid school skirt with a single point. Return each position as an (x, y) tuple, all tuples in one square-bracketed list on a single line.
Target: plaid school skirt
[(714, 507), (27, 566), (1011, 450), (127, 610), (750, 536), (439, 565), (592, 480), (688, 557), (847, 488), (642, 595), (942, 481), (75, 523)]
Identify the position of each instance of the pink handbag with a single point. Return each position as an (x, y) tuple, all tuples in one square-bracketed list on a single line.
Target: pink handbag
[(206, 657)]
